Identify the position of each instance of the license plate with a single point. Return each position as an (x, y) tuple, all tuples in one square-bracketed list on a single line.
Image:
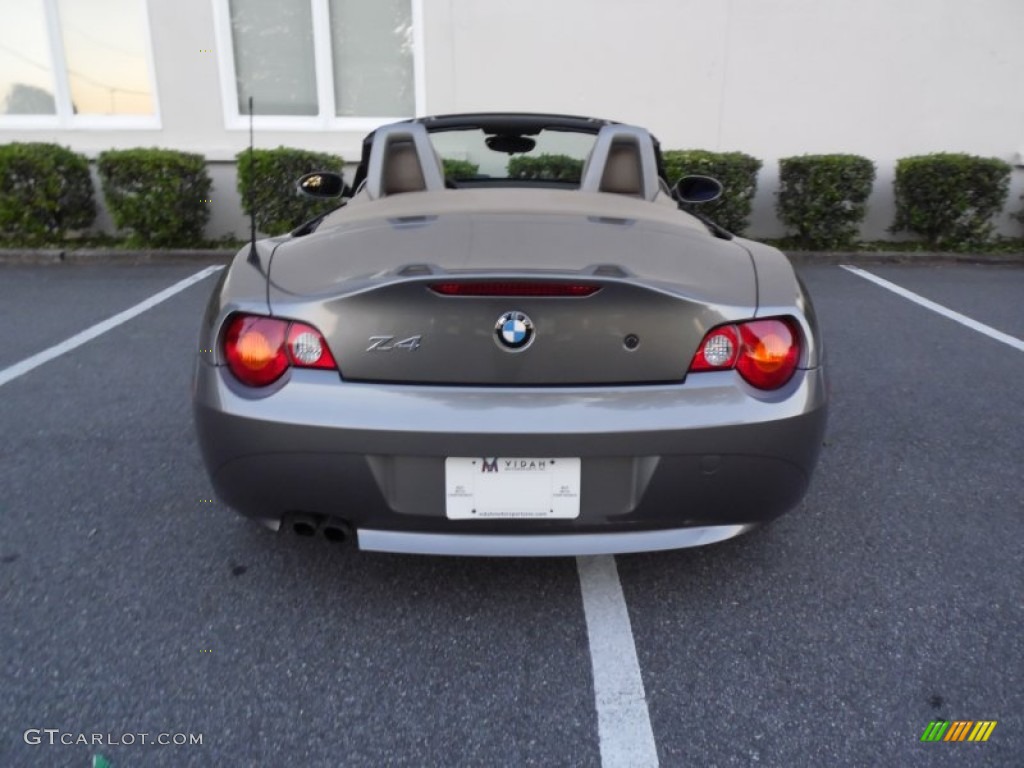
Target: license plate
[(514, 488)]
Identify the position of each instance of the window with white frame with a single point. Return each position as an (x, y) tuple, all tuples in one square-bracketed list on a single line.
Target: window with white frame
[(318, 63), (67, 64)]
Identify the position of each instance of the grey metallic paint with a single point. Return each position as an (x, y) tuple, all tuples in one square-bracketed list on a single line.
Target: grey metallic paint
[(660, 450), (710, 451)]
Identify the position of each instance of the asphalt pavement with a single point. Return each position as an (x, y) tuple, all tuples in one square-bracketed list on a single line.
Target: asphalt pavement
[(130, 603)]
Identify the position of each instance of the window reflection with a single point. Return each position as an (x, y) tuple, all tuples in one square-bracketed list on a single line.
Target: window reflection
[(26, 75), (369, 65), (273, 42), (104, 47), (372, 45)]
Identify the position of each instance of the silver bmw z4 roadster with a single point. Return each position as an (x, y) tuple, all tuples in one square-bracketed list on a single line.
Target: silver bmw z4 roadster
[(537, 352)]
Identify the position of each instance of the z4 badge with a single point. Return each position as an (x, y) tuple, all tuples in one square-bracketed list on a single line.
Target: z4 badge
[(388, 343)]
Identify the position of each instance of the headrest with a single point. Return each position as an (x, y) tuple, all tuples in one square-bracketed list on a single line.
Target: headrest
[(402, 171), (622, 162), (402, 159)]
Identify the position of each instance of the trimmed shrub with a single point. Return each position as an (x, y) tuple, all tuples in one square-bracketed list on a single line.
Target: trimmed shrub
[(822, 197), (737, 172), (950, 199), (547, 167), (45, 191), (161, 196), (459, 169), (280, 207)]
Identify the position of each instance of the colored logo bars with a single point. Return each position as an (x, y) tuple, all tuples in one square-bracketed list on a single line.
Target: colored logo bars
[(958, 730)]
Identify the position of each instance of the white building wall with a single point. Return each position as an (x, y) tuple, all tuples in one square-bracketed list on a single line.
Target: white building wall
[(880, 78)]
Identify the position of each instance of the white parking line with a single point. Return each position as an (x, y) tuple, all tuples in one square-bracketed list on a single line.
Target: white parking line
[(19, 369), (623, 723), (974, 325)]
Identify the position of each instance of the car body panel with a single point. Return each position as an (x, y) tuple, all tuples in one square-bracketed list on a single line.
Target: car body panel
[(697, 457), (544, 545), (780, 292), (374, 454), (242, 287), (350, 280), (512, 229)]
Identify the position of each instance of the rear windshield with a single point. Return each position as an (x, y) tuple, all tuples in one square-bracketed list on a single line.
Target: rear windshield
[(550, 156)]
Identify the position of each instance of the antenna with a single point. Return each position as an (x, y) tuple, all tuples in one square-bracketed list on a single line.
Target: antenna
[(252, 187)]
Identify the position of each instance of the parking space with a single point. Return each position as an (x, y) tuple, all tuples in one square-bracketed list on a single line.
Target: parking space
[(993, 295), (132, 605), (48, 304), (891, 597)]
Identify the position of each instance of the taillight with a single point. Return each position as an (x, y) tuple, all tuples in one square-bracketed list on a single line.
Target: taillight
[(259, 349), (514, 288), (764, 352), (718, 351), (771, 350), (254, 348), (307, 348)]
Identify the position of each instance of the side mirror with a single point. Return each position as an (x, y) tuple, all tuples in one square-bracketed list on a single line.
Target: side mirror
[(697, 189), (321, 184)]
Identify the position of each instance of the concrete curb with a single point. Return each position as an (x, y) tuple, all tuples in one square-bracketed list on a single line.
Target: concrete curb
[(54, 256), (803, 258), (44, 256)]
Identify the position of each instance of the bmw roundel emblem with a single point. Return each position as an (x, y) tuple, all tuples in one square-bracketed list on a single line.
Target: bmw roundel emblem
[(514, 331)]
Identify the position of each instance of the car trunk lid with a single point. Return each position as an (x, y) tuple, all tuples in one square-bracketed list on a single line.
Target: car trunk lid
[(426, 299)]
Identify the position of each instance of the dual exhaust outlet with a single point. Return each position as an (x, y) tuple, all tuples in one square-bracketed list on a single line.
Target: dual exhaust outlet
[(333, 529)]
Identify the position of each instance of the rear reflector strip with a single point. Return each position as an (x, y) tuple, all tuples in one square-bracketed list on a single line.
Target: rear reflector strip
[(514, 288)]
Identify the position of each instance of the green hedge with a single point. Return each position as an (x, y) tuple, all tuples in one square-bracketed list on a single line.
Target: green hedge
[(161, 196), (737, 172), (459, 169), (279, 205), (950, 199), (45, 192), (547, 167), (822, 198)]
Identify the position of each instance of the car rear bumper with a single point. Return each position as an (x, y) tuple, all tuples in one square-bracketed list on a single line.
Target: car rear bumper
[(544, 545), (680, 464)]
